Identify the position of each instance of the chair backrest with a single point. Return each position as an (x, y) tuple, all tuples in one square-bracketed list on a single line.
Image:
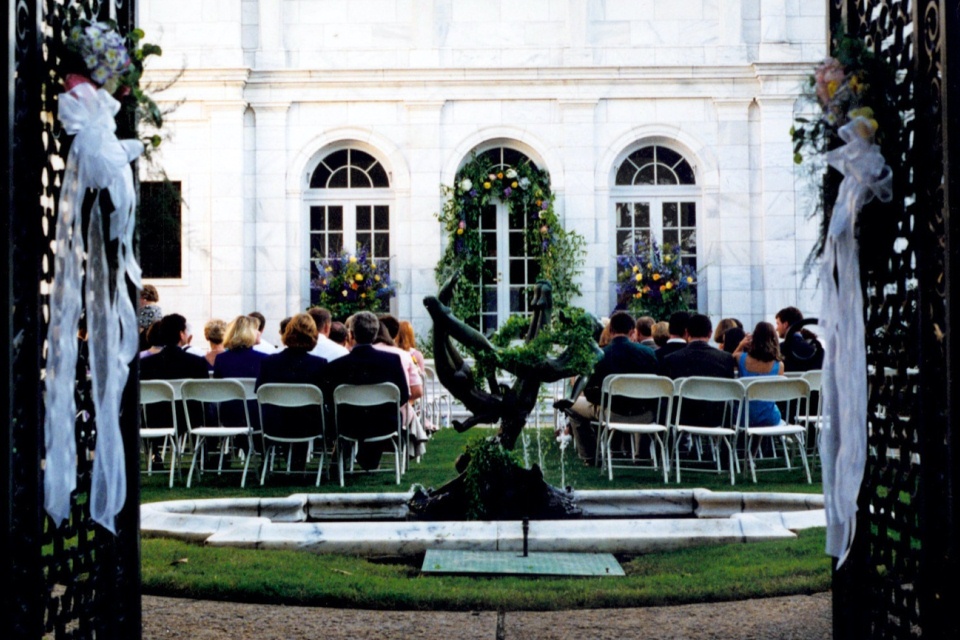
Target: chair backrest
[(367, 395), (158, 392), (727, 392), (214, 391), (814, 378), (290, 395), (154, 391), (637, 386), (776, 389)]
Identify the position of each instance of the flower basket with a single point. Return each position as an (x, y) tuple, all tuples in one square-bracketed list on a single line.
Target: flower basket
[(350, 283), (653, 281)]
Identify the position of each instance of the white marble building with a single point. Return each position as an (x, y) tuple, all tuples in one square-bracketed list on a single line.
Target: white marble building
[(271, 88)]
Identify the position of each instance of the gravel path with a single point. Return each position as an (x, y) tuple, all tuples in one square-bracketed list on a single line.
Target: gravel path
[(788, 618)]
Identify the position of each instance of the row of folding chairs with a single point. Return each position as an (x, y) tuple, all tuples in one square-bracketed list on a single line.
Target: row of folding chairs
[(209, 428), (725, 401)]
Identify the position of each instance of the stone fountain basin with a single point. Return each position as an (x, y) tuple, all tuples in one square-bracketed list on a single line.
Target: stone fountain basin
[(641, 521)]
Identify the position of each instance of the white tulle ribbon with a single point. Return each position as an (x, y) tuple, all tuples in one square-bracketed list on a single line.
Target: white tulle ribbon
[(843, 444), (97, 160)]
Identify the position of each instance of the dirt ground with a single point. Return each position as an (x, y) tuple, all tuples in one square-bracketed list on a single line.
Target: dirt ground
[(787, 618)]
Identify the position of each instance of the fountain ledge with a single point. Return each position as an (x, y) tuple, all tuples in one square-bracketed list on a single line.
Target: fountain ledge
[(639, 521)]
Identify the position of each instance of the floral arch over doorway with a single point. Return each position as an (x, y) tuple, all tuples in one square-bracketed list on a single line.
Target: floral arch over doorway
[(538, 244)]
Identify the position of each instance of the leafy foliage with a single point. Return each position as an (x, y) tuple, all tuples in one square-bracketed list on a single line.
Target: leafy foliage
[(487, 460), (350, 283), (654, 281), (526, 191)]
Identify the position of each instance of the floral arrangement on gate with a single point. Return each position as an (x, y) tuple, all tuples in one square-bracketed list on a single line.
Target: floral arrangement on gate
[(350, 283), (526, 191), (855, 91), (94, 263), (654, 281), (853, 86)]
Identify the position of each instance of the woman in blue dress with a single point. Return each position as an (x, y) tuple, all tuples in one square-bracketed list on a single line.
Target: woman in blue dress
[(759, 355)]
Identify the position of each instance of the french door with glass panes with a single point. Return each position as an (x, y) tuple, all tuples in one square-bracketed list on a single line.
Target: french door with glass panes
[(668, 220), (508, 271), (348, 225)]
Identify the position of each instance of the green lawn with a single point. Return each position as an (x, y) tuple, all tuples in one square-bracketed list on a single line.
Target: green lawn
[(706, 574)]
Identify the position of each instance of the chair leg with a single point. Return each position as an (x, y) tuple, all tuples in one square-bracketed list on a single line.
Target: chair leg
[(803, 456), (174, 455), (198, 445), (267, 462)]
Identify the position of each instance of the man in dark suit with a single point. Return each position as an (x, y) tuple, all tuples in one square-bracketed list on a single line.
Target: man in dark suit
[(173, 363), (645, 331), (699, 358), (366, 365), (677, 341), (621, 355)]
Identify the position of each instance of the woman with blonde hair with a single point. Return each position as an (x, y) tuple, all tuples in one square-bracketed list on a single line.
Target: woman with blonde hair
[(240, 360), (214, 332)]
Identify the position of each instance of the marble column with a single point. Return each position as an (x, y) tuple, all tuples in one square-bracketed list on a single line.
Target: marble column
[(578, 206)]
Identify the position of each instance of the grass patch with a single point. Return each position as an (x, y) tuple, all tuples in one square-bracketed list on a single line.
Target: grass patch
[(705, 574)]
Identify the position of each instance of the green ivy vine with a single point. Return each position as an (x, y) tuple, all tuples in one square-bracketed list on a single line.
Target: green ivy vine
[(526, 191)]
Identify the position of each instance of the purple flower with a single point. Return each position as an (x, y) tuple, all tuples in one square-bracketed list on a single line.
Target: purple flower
[(507, 192), (473, 193), (544, 205)]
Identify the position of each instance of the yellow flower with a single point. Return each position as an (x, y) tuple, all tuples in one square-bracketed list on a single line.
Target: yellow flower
[(639, 277), (689, 279), (363, 295), (328, 269), (855, 84), (669, 286), (832, 87), (486, 185), (459, 232), (323, 281), (667, 258), (866, 112), (353, 259), (358, 277), (373, 265), (636, 268), (513, 184), (376, 278), (656, 277), (649, 265), (638, 295)]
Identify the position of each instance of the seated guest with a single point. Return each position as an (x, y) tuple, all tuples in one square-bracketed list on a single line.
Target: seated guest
[(338, 333), (731, 339), (677, 341), (367, 365), (621, 355), (261, 344), (295, 364), (800, 349), (759, 355), (148, 312), (722, 326), (661, 333), (698, 358), (326, 348), (385, 342), (213, 331), (173, 363), (153, 341), (240, 360), (645, 331), (408, 342)]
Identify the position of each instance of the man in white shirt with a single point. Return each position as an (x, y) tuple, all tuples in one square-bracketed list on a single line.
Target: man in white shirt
[(326, 348), (262, 345)]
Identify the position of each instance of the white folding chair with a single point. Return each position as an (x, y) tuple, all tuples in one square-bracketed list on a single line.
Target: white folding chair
[(636, 387), (210, 394), (437, 400), (160, 392), (367, 395), (716, 397), (290, 395), (795, 392), (812, 418)]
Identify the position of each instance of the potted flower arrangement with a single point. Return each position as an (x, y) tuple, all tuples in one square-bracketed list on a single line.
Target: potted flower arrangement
[(349, 283), (654, 281)]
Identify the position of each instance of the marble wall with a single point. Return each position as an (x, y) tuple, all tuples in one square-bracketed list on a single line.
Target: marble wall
[(265, 87)]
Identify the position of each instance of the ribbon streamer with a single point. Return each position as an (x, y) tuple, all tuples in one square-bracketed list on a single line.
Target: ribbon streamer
[(97, 160), (843, 444)]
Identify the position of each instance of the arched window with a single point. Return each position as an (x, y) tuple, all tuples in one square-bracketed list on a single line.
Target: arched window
[(655, 197), (348, 201), (509, 268)]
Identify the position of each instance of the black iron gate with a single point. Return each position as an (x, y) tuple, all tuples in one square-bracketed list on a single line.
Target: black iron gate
[(78, 580), (900, 580)]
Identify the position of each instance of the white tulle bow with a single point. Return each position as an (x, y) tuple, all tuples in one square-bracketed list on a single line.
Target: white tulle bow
[(97, 160), (843, 444)]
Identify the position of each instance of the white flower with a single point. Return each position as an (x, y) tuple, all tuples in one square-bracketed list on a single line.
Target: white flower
[(524, 182), (466, 185), (511, 173)]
